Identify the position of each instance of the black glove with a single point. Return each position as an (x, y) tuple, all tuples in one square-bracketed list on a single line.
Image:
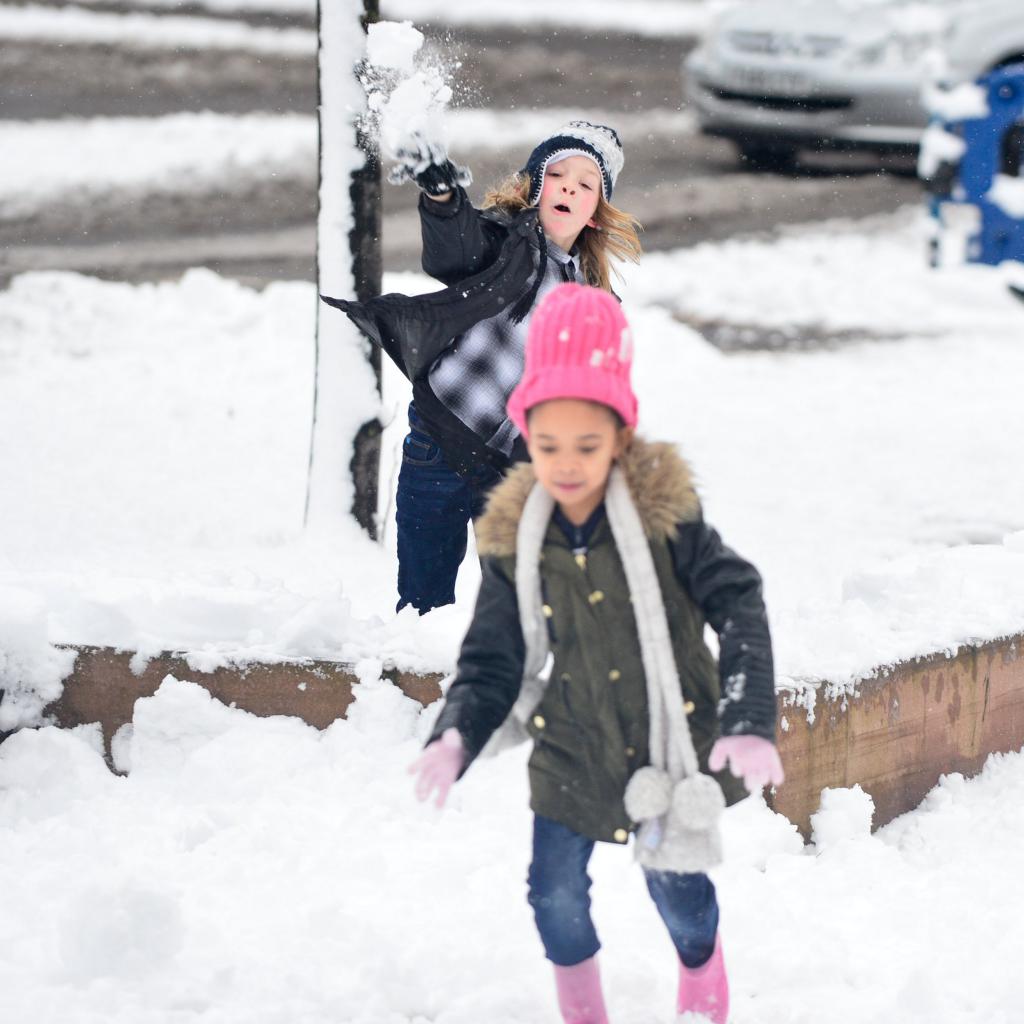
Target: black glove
[(427, 164)]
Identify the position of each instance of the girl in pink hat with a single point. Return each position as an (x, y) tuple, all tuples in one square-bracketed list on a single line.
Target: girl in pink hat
[(462, 347), (599, 573)]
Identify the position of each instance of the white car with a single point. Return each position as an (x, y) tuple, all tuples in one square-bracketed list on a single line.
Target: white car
[(775, 77)]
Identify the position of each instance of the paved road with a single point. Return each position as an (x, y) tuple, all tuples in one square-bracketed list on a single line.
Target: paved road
[(685, 188)]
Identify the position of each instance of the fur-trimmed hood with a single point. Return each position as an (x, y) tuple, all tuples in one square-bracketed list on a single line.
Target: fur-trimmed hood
[(660, 482)]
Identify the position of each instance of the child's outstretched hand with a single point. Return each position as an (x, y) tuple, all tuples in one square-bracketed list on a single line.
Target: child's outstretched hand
[(439, 766), (427, 164), (751, 758)]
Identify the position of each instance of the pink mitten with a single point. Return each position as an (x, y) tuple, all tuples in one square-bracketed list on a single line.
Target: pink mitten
[(751, 758), (439, 766)]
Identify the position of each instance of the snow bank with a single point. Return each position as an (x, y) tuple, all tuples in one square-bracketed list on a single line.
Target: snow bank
[(870, 480), (1008, 194), (298, 7), (845, 815), (643, 17), (938, 146), (877, 556), (190, 152), (32, 670), (172, 541), (869, 277), (255, 870), (304, 8), (965, 102), (481, 129), (72, 25), (194, 152)]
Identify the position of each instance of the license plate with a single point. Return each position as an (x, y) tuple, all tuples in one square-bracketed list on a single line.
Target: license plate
[(764, 81)]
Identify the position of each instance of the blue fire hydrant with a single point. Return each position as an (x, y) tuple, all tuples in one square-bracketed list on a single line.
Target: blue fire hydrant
[(976, 157)]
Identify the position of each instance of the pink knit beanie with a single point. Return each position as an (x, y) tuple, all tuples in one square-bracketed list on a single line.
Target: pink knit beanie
[(578, 346)]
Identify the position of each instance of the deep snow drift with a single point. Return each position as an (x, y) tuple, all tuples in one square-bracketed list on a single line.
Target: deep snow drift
[(255, 870), (155, 495), (655, 17), (196, 153)]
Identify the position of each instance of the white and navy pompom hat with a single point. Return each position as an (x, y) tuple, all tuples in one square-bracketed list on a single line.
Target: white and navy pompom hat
[(578, 138)]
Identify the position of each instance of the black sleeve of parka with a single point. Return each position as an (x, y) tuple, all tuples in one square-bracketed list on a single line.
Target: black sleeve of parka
[(457, 241), (490, 670), (727, 588)]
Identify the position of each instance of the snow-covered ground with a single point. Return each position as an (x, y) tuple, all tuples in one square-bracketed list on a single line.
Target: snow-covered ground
[(188, 153), (179, 153), (74, 25), (154, 498), (299, 7), (657, 17), (255, 871), (643, 17)]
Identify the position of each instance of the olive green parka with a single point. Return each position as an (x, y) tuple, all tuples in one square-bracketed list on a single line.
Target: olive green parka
[(590, 730)]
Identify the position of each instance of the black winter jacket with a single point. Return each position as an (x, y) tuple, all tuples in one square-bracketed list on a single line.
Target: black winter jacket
[(486, 258)]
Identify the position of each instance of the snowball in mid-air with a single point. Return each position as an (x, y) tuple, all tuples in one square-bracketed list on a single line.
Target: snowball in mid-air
[(406, 94), (393, 45)]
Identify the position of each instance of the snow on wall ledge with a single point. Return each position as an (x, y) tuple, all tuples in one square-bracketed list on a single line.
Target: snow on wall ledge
[(899, 731), (873, 482), (895, 734), (31, 668)]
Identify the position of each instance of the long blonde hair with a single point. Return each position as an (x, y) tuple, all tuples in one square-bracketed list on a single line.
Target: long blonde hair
[(617, 233)]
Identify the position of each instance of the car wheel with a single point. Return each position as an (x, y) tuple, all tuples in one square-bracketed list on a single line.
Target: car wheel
[(766, 156)]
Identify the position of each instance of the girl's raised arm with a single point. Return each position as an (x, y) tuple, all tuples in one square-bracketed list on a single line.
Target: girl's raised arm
[(458, 241)]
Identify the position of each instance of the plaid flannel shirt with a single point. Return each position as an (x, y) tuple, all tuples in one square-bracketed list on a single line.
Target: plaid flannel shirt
[(475, 375)]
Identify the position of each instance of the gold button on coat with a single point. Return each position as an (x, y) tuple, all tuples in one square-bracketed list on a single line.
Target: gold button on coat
[(689, 707), (620, 835), (538, 720), (548, 611), (596, 597), (630, 751), (615, 675)]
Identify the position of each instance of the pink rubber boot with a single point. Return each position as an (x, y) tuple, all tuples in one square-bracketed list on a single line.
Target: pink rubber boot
[(705, 989), (579, 993)]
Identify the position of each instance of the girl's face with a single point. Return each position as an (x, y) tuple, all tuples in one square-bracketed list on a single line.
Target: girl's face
[(568, 199), (573, 444)]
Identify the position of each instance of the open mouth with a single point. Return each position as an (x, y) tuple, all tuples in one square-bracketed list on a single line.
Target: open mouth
[(562, 208)]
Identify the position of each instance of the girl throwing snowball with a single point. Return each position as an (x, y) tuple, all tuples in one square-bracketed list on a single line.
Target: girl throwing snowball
[(462, 347), (597, 555)]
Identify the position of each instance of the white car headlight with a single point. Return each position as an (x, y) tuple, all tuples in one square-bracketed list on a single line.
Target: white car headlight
[(871, 53), (895, 49), (913, 47)]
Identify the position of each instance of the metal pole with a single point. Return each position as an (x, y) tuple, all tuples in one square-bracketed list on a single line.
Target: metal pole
[(367, 269), (366, 264)]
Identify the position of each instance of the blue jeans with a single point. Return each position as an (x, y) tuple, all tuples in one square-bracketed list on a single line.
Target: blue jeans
[(559, 892), (433, 509)]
